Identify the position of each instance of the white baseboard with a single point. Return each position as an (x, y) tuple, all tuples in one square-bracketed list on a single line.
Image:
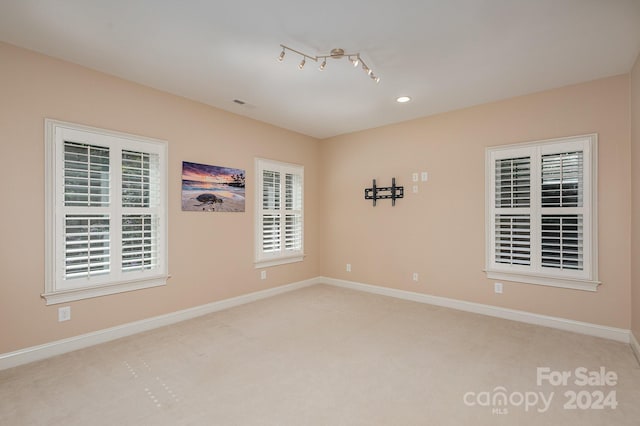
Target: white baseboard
[(635, 346), (617, 334), (36, 353)]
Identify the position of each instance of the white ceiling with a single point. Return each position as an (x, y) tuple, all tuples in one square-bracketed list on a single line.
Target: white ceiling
[(445, 54)]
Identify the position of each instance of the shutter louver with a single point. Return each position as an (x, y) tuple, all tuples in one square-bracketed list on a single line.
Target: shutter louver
[(293, 232), (270, 233), (513, 182), (293, 206), (87, 245), (270, 190), (140, 179), (513, 239), (86, 175), (139, 242), (562, 180), (562, 241)]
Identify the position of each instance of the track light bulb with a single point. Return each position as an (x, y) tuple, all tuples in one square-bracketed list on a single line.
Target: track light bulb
[(355, 61), (302, 63), (281, 57), (323, 64)]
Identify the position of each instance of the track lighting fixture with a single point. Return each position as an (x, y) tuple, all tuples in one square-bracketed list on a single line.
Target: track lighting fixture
[(337, 53)]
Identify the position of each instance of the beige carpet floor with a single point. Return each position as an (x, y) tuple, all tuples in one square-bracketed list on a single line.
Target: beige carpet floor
[(330, 356)]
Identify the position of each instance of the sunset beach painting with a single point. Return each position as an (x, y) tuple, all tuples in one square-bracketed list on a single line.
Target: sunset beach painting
[(212, 188)]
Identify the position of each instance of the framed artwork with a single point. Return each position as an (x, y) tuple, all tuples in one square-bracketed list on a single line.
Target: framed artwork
[(212, 188)]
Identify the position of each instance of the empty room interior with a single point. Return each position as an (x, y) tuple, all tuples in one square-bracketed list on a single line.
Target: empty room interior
[(333, 213)]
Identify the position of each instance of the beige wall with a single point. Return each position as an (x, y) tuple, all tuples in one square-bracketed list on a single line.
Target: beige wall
[(211, 255), (635, 212), (439, 232)]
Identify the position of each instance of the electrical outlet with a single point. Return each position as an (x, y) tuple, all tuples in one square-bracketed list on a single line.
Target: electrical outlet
[(348, 267), (263, 275), (64, 313), (415, 276), (497, 287), (415, 177), (415, 189), (425, 176)]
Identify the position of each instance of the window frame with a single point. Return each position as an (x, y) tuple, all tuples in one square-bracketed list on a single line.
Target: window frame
[(585, 279), (283, 256), (56, 289)]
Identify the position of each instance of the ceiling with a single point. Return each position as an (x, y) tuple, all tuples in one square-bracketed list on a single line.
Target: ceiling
[(445, 54)]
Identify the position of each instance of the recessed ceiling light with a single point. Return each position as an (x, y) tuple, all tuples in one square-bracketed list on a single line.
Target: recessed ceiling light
[(403, 99)]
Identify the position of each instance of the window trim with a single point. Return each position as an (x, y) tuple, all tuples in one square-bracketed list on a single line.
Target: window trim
[(53, 294), (584, 280), (262, 260)]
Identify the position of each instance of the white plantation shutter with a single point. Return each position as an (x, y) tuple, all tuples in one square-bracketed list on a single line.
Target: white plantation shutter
[(87, 187), (293, 212), (271, 223), (563, 192), (140, 242), (513, 182), (86, 245), (562, 242), (513, 239), (106, 212), (140, 191), (86, 175), (512, 191), (279, 227), (541, 208)]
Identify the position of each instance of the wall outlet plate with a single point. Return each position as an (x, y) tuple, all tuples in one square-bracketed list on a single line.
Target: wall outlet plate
[(263, 275), (348, 267), (497, 287), (64, 313), (415, 276)]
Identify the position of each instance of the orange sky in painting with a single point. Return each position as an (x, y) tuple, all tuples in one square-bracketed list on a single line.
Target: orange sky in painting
[(205, 173)]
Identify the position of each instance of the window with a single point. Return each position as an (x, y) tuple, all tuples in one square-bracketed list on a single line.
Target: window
[(541, 212), (106, 218), (280, 213)]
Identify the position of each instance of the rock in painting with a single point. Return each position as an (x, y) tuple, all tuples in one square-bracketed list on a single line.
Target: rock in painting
[(208, 199)]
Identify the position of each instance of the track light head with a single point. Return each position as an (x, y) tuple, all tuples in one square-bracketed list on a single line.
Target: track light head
[(302, 63), (355, 61), (323, 64), (281, 57)]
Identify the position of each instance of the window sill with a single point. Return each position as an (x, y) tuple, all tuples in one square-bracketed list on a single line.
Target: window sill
[(70, 295), (570, 283), (278, 261)]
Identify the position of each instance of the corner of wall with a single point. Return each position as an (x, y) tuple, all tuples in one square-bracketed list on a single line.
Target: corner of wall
[(634, 112)]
